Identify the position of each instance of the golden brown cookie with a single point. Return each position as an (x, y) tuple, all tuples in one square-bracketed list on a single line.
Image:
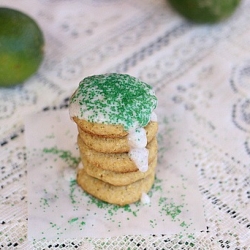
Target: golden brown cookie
[(107, 130), (119, 162), (120, 195), (114, 145), (118, 179)]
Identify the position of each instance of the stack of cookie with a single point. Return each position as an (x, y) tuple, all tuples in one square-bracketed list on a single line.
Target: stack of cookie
[(109, 173), (118, 158)]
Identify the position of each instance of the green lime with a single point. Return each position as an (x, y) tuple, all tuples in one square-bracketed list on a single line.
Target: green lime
[(205, 11), (21, 47)]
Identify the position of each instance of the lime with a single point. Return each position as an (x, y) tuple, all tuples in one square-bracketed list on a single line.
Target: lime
[(21, 47), (205, 11)]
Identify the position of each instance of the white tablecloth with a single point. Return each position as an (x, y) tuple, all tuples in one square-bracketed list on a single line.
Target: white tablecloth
[(201, 71)]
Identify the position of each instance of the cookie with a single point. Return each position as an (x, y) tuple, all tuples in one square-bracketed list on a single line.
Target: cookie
[(101, 129), (119, 162), (119, 195), (116, 178), (119, 102), (114, 145)]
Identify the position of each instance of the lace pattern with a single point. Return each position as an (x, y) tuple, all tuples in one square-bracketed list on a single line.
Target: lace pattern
[(201, 70)]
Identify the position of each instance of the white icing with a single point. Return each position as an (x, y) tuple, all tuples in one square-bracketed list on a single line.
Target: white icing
[(152, 92), (145, 199), (153, 117), (140, 158), (82, 112), (113, 99), (137, 138), (74, 109)]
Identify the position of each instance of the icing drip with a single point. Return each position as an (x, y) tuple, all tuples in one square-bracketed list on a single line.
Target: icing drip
[(145, 199), (137, 140), (153, 117), (140, 158)]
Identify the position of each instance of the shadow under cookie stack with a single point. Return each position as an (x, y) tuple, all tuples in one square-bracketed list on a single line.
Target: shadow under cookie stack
[(118, 155)]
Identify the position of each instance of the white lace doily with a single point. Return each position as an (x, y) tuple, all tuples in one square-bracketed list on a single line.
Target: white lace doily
[(200, 71)]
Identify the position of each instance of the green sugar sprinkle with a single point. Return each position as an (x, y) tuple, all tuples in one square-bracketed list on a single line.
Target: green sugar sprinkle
[(63, 154), (157, 186), (73, 220), (169, 209), (114, 98), (44, 202), (73, 185)]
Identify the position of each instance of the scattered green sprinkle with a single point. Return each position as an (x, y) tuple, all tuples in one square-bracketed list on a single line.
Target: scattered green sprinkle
[(73, 185), (44, 202), (73, 220), (64, 155), (183, 224)]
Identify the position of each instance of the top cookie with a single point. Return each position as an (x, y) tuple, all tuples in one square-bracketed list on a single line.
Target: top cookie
[(115, 99)]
